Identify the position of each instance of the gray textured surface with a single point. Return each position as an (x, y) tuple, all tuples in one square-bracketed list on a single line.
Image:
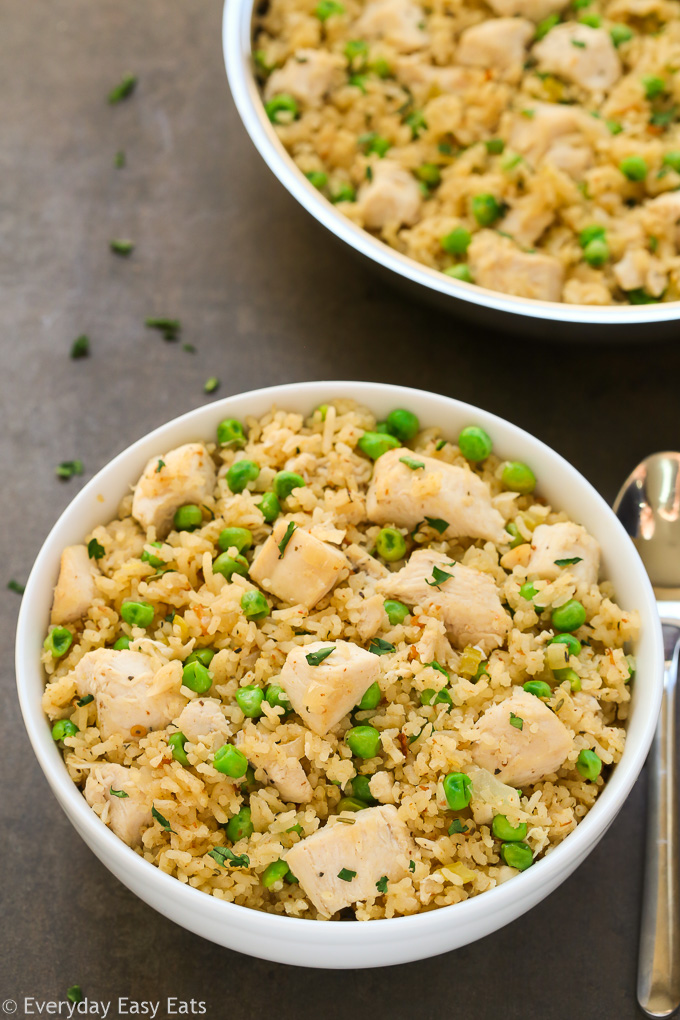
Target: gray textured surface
[(264, 298)]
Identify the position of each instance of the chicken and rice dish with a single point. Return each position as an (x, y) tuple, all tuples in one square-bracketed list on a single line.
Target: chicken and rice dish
[(331, 667), (526, 146)]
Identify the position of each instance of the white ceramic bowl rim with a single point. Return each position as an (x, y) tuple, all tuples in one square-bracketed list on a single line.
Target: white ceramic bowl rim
[(197, 424), (236, 41)]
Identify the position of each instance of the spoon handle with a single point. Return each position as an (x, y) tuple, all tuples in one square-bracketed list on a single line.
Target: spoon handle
[(658, 989)]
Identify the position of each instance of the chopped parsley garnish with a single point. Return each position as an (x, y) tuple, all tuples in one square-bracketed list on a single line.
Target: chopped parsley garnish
[(211, 384), (170, 328), (95, 550), (457, 826), (381, 884), (568, 562), (222, 854), (347, 821), (159, 466), (578, 43), (74, 993), (119, 159), (170, 616), (411, 865), (516, 721), (411, 463), (80, 348), (124, 89), (17, 588), (163, 822), (380, 647), (559, 704), (85, 700), (68, 468), (122, 247), (438, 524), (441, 443), (316, 658), (286, 539), (122, 794), (663, 118), (346, 875), (438, 577)]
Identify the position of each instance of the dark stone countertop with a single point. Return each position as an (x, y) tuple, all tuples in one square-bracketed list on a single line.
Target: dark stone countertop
[(264, 298)]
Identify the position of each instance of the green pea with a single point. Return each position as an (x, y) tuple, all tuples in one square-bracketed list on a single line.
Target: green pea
[(64, 728), (230, 432), (249, 700), (277, 870), (620, 34), (486, 209), (495, 146), (480, 672), (503, 830), (196, 677), (277, 697), (373, 142), (291, 879), (282, 109), (653, 86), (240, 473), (188, 518), (514, 532), (543, 27), (390, 544), (460, 272), (594, 232), (396, 611), (254, 605), (235, 538), (177, 741), (518, 477), (672, 159), (371, 698), (403, 424), (457, 241), (317, 178), (285, 482), (592, 20), (229, 565), (431, 697), (351, 804), (203, 655), (153, 561), (528, 591), (374, 444), (58, 642), (361, 789), (239, 826), (517, 855), (589, 764), (570, 616), (249, 782), (343, 192), (137, 614), (569, 674), (596, 253), (363, 741), (381, 67), (572, 643), (122, 644), (429, 174), (230, 761), (634, 168), (269, 507), (457, 790), (539, 688), (474, 443)]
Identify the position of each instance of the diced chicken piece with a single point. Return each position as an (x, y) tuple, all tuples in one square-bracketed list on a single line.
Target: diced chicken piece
[(371, 616), (431, 78), (402, 496), (76, 586), (497, 44), (391, 198), (362, 560), (535, 10), (204, 719), (381, 786), (520, 756), (556, 133), (308, 76), (305, 571), (378, 844), (553, 543), (397, 22), (126, 816), (580, 54), (467, 602), (490, 797), (184, 475), (496, 262), (281, 762), (129, 697), (528, 217), (640, 269), (321, 695), (663, 212)]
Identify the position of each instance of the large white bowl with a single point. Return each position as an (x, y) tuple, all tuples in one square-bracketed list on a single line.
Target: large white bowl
[(329, 944), (548, 320)]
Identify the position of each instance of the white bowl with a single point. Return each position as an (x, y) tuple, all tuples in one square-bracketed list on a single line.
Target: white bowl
[(613, 322), (332, 944)]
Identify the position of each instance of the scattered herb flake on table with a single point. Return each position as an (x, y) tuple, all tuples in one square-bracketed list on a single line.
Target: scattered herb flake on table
[(74, 993), (189, 348), (68, 468), (14, 586), (119, 246), (125, 88), (95, 550), (316, 658), (169, 328), (211, 384), (284, 542), (119, 159), (80, 348)]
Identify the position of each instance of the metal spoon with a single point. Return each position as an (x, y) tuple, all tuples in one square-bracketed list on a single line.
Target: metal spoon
[(648, 506)]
